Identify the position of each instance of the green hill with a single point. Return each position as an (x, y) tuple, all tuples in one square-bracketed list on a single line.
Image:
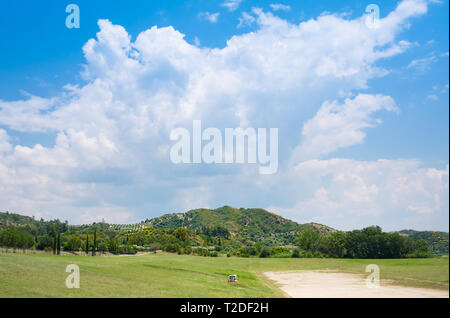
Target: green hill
[(437, 241), (13, 219), (245, 225)]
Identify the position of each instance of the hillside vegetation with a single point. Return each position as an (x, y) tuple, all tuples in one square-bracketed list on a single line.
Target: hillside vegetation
[(245, 225), (210, 232), (437, 241)]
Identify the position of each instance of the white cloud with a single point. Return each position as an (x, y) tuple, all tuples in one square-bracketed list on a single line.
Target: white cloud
[(349, 194), (433, 97), (423, 63), (211, 17), (111, 151), (336, 126), (279, 6), (194, 198), (72, 149), (231, 5), (106, 213), (246, 20), (5, 146)]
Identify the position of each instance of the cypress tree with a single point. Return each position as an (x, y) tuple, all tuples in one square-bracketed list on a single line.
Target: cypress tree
[(54, 244), (58, 242), (87, 243), (95, 242)]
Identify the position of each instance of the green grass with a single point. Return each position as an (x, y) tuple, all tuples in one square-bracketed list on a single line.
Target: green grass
[(168, 275)]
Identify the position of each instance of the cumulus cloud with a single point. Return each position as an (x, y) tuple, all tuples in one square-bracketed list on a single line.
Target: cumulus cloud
[(349, 194), (111, 153), (5, 146), (341, 125)]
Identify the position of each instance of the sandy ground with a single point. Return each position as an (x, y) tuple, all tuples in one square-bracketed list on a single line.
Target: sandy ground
[(321, 284)]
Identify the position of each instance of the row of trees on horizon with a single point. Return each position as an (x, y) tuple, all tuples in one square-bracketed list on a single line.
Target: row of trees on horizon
[(370, 242)]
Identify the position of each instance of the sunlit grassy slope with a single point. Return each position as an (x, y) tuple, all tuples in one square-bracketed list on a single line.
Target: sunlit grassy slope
[(168, 275)]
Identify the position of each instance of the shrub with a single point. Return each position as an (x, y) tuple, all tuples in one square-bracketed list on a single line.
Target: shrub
[(296, 253), (44, 242), (12, 237), (265, 252), (280, 252), (318, 255)]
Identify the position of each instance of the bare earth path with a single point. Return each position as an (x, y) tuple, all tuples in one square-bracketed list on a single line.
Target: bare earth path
[(322, 284)]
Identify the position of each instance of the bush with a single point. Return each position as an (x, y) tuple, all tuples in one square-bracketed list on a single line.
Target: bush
[(113, 246), (102, 247), (128, 249), (318, 255), (73, 244), (420, 254), (171, 248), (265, 252), (296, 253), (280, 252), (12, 237), (44, 243), (247, 251)]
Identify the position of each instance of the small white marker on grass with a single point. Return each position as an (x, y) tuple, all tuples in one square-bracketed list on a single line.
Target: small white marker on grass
[(232, 279)]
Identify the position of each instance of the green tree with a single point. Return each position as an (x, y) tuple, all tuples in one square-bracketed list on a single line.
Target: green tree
[(102, 247), (13, 237), (44, 242), (265, 252), (58, 243), (113, 245), (54, 244), (421, 249), (95, 242), (309, 240), (336, 244), (181, 233), (87, 243), (73, 244)]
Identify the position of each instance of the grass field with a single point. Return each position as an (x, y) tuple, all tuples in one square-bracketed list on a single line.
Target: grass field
[(169, 275)]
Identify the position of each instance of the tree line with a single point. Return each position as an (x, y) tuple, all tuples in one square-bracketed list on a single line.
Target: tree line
[(370, 242)]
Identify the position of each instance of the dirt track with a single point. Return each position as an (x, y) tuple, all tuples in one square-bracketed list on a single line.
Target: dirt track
[(321, 284)]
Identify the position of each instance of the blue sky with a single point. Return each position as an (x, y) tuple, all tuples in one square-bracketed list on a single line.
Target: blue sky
[(98, 149)]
